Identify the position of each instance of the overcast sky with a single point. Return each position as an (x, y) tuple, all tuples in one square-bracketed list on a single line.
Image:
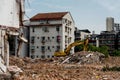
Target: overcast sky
[(87, 14)]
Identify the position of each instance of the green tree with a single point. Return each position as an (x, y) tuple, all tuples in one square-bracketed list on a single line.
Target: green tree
[(116, 53), (104, 50), (92, 48), (79, 48)]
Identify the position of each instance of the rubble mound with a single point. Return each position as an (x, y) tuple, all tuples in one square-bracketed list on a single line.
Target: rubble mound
[(57, 69), (16, 61), (85, 57)]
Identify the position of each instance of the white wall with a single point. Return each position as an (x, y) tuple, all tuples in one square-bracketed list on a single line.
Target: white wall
[(72, 27), (52, 33), (84, 35), (9, 13), (44, 22), (39, 33)]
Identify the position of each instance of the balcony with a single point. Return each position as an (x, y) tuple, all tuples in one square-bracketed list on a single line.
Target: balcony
[(32, 49), (32, 39), (43, 51), (58, 39)]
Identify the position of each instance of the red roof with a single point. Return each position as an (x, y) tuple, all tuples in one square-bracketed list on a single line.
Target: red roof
[(47, 16)]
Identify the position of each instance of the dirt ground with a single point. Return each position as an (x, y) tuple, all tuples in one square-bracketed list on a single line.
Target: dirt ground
[(51, 70)]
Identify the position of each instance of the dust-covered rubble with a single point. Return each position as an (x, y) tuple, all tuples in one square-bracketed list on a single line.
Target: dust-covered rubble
[(55, 69)]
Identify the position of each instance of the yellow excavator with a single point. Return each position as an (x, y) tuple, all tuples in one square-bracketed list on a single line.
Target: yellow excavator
[(67, 50)]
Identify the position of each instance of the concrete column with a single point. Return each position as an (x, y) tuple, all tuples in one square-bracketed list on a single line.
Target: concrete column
[(97, 42)]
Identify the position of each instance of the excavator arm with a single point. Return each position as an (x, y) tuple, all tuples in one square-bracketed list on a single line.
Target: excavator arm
[(86, 44), (67, 50)]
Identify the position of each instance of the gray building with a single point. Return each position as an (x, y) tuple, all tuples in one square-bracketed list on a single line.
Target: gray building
[(111, 25), (108, 38)]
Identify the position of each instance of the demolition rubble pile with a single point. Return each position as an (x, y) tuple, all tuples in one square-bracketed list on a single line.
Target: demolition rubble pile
[(84, 57), (80, 66)]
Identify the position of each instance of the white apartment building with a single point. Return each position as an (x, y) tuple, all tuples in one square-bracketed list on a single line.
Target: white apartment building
[(81, 34), (84, 34), (50, 32)]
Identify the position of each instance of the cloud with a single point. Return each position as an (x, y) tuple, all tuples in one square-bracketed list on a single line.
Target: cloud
[(111, 5)]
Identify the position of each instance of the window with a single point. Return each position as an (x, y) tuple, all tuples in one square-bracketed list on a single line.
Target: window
[(43, 39), (33, 29), (37, 56), (32, 49), (48, 56), (47, 22), (45, 29), (48, 47), (65, 20), (42, 21), (65, 28), (65, 39), (42, 56), (52, 46), (37, 46), (32, 56), (58, 38), (57, 28), (70, 31), (57, 48), (52, 56), (48, 38), (43, 48), (52, 37), (70, 22), (32, 39)]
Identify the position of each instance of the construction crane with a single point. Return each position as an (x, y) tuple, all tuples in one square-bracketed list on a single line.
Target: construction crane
[(67, 50)]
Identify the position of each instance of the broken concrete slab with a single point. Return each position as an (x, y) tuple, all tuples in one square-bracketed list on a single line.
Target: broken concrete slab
[(3, 68), (5, 76), (14, 69), (84, 57)]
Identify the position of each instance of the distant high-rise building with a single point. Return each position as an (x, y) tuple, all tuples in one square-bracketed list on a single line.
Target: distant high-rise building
[(111, 25)]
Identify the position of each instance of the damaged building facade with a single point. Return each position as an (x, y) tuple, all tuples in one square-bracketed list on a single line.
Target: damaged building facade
[(11, 16), (50, 32)]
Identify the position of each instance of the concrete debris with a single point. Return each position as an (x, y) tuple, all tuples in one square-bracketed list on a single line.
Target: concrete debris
[(84, 58), (5, 76), (65, 60), (52, 69), (2, 68), (14, 69)]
